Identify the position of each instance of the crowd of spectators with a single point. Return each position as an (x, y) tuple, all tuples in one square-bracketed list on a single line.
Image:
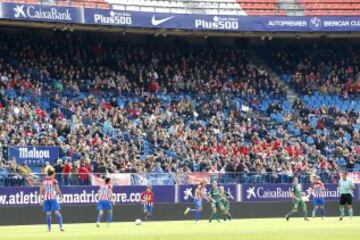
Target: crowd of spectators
[(160, 108), (330, 67)]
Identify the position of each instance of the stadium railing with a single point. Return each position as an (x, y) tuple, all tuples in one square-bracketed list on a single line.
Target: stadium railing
[(76, 179)]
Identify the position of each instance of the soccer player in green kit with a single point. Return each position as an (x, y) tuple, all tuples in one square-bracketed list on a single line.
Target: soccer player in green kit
[(216, 204), (226, 203), (345, 187), (298, 202)]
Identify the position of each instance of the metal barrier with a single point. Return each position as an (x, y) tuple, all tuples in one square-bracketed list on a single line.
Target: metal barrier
[(76, 179)]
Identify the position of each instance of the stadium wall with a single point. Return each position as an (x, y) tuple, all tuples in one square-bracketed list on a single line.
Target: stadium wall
[(162, 212)]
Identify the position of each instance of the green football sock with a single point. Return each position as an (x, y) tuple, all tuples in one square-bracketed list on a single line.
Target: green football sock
[(351, 212), (212, 216), (342, 211), (305, 213), (314, 212), (294, 210)]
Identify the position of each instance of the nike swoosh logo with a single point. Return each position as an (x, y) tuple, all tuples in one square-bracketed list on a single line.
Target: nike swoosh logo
[(156, 22)]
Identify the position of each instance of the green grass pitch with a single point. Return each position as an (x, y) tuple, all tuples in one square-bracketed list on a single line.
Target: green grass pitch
[(247, 229)]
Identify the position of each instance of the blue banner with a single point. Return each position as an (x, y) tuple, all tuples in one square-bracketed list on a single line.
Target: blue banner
[(42, 13), (266, 192), (85, 195), (331, 192), (200, 22), (281, 192), (28, 196), (33, 155), (194, 22)]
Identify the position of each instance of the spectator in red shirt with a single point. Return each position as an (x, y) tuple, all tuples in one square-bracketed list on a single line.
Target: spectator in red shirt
[(66, 171), (154, 86), (84, 177)]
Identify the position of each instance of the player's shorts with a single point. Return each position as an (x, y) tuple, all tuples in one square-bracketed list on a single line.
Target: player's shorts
[(197, 203), (319, 201), (104, 205), (226, 205), (51, 205), (217, 205), (346, 199), (299, 204), (148, 208)]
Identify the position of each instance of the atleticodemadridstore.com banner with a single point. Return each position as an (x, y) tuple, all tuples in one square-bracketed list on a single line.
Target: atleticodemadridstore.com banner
[(85, 195), (196, 22)]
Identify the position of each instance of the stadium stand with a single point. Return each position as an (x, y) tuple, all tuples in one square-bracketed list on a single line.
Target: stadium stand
[(176, 108)]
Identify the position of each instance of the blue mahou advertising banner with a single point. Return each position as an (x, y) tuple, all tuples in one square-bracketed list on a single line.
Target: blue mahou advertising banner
[(191, 22), (33, 155)]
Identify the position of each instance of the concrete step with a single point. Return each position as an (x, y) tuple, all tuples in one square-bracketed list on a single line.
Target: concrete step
[(291, 95)]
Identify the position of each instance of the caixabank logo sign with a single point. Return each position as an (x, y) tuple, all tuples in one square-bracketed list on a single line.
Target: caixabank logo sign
[(266, 192), (41, 13), (22, 11), (330, 192), (282, 192)]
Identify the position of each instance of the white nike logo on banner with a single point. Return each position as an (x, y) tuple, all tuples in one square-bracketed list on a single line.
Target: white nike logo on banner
[(156, 22)]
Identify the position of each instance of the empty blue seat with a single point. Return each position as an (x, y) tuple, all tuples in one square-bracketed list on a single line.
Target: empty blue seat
[(297, 132), (309, 140)]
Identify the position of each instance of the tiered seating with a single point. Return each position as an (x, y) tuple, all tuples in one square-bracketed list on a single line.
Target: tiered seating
[(22, 1), (221, 7), (260, 6), (175, 108), (330, 7), (102, 4), (332, 13), (266, 13), (316, 101)]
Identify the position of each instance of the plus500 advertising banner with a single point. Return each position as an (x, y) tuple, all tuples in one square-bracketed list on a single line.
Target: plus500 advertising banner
[(220, 23), (84, 195), (196, 22), (33, 155)]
